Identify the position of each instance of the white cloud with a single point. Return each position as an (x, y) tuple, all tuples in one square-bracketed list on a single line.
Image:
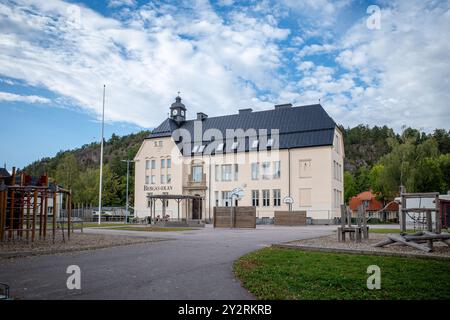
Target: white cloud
[(397, 75), (121, 3), (145, 60), (12, 97)]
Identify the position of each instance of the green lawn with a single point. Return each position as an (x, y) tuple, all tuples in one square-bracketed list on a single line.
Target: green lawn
[(274, 273)]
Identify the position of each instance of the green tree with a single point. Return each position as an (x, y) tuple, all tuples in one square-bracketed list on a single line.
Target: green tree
[(350, 188), (67, 171)]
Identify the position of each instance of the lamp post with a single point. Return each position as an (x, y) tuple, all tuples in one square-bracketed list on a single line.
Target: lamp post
[(128, 175), (101, 161)]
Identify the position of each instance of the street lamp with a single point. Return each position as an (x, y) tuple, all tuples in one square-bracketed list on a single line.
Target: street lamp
[(101, 161), (128, 174)]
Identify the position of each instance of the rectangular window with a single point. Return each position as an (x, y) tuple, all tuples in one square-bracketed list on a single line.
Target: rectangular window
[(163, 163), (147, 180), (305, 168), (276, 169), (276, 197), (169, 163), (226, 172), (337, 145), (147, 164), (266, 170), (216, 196), (153, 164), (305, 197), (163, 179), (266, 198), (236, 172), (226, 198), (255, 171), (197, 173), (153, 179), (169, 178), (255, 198), (217, 172)]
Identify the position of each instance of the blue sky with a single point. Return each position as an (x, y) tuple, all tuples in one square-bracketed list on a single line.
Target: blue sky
[(222, 55)]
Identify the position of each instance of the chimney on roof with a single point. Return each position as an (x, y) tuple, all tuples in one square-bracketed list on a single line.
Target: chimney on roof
[(244, 111), (201, 116), (283, 106)]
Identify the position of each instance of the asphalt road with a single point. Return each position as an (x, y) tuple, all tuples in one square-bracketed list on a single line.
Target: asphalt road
[(193, 265)]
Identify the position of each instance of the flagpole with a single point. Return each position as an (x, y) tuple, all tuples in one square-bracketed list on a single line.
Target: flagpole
[(101, 161)]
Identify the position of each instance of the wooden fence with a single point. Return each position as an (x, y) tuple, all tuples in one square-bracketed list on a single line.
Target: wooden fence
[(236, 217), (290, 218)]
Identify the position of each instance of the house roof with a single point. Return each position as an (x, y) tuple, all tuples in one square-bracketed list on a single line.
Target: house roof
[(373, 205), (4, 173), (302, 126)]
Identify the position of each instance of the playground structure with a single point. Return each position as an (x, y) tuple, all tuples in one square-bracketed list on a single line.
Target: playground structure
[(24, 208), (427, 219), (356, 233)]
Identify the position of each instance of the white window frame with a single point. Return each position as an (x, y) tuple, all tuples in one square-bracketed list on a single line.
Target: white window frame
[(277, 169), (255, 198), (266, 197), (276, 197), (266, 174), (227, 175), (255, 170)]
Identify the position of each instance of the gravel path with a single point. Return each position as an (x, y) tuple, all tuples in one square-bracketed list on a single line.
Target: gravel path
[(330, 242), (78, 242)]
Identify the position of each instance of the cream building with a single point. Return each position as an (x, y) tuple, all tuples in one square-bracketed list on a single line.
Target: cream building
[(274, 155)]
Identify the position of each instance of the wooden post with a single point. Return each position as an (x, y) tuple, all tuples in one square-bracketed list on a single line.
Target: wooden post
[(55, 206), (41, 214), (429, 227), (11, 216), (28, 216), (44, 231), (69, 213), (402, 215), (437, 213), (22, 206), (2, 213), (33, 230)]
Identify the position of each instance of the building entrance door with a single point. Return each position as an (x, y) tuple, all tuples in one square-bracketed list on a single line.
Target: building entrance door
[(197, 209)]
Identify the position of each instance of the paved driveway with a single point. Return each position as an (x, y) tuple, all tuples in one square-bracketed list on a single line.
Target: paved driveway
[(193, 265)]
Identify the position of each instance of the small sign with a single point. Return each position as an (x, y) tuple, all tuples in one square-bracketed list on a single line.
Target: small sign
[(288, 200)]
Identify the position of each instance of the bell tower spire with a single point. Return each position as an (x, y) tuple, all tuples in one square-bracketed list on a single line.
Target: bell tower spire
[(178, 110)]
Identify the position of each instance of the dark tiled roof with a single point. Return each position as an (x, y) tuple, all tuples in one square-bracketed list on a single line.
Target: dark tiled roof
[(4, 173), (303, 126)]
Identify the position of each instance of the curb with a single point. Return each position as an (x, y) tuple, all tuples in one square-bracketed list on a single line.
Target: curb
[(358, 251)]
